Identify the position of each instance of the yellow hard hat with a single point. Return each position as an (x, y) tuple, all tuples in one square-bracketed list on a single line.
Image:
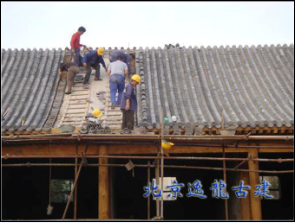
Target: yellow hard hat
[(167, 145), (96, 113), (136, 78), (100, 51)]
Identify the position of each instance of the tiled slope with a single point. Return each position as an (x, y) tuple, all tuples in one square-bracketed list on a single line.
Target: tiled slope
[(29, 80), (254, 86)]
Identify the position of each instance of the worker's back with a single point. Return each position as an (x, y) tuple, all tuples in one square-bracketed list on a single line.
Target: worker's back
[(117, 67)]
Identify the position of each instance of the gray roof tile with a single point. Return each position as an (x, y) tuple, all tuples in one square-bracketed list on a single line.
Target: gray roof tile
[(253, 85), (29, 81)]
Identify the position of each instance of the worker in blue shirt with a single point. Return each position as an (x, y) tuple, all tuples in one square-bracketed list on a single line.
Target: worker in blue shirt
[(92, 59), (126, 58), (129, 104)]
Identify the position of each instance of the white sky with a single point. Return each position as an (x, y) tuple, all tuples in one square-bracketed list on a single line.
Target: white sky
[(146, 24)]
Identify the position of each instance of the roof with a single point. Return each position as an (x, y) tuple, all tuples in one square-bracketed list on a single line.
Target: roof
[(29, 85), (253, 85)]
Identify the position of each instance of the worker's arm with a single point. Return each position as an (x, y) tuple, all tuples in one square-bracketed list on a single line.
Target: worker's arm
[(127, 104), (62, 68), (101, 60), (126, 71), (127, 95), (128, 62), (109, 70)]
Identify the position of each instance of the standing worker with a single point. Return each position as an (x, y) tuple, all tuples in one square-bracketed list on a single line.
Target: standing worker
[(117, 73), (126, 58), (72, 69), (92, 59), (75, 46), (129, 104)]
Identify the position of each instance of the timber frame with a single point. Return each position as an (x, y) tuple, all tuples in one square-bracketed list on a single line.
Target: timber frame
[(104, 147)]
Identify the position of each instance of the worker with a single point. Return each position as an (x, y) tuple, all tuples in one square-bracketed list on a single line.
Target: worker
[(93, 59), (75, 46), (72, 69), (117, 72), (126, 58), (132, 65), (129, 104)]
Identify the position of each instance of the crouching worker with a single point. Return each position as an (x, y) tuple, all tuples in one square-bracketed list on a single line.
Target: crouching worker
[(72, 69), (92, 59), (129, 104)]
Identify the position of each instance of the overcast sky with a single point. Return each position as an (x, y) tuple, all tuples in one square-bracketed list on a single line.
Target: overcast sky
[(146, 24)]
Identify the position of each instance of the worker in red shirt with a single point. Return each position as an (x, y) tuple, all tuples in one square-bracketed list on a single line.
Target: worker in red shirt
[(75, 46)]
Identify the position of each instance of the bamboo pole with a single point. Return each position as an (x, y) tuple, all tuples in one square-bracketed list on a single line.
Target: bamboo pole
[(75, 184), (156, 157), (152, 166)]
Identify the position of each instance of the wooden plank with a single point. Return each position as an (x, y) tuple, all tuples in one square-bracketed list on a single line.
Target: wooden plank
[(104, 187), (114, 118), (75, 115), (75, 111), (77, 106), (110, 123), (82, 103), (72, 119), (114, 115), (77, 98), (255, 202), (73, 108), (79, 93), (79, 88), (115, 127)]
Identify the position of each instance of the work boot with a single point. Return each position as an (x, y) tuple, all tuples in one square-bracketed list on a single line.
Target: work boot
[(126, 131), (85, 86)]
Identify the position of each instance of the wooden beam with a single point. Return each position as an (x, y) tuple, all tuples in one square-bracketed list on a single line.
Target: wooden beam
[(254, 180), (245, 202), (103, 188), (58, 150)]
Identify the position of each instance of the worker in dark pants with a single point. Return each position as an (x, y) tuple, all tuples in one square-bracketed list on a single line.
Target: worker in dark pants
[(92, 59), (129, 104), (75, 46), (72, 69)]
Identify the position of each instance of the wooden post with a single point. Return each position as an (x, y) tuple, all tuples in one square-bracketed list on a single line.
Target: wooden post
[(225, 181), (254, 180), (162, 165), (245, 202), (149, 197), (103, 188), (76, 170)]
